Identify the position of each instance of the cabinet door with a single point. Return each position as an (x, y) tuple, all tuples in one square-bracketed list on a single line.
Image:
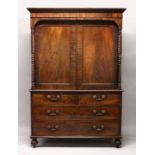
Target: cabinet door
[(97, 58), (54, 56)]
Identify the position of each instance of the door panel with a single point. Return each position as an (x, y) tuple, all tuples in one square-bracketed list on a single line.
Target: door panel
[(98, 60), (53, 53)]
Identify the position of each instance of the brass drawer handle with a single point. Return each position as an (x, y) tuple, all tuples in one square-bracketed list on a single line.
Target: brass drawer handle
[(52, 128), (99, 97), (53, 98), (50, 113), (99, 113), (97, 128)]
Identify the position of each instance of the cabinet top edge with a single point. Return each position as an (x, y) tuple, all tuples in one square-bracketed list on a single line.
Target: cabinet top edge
[(76, 10), (76, 91)]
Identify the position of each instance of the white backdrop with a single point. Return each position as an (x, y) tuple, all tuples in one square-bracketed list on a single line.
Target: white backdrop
[(128, 65)]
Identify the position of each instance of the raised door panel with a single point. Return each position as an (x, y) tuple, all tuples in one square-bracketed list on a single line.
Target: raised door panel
[(98, 57), (54, 57)]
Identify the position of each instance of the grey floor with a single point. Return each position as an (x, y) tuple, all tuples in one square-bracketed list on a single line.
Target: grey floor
[(61, 148)]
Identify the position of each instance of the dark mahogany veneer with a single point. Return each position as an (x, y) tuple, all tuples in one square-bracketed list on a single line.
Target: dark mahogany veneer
[(76, 73)]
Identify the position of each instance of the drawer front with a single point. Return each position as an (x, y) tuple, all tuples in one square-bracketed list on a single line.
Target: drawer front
[(75, 112), (76, 128), (68, 99), (52, 99), (104, 98)]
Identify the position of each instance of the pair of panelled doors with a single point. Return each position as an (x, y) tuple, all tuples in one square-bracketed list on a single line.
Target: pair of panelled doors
[(76, 55)]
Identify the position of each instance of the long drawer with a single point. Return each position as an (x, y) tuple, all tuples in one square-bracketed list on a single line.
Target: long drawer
[(75, 112), (95, 127)]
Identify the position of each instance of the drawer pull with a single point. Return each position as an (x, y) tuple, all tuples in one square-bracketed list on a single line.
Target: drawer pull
[(53, 98), (52, 128), (99, 97), (50, 113), (99, 113), (96, 128)]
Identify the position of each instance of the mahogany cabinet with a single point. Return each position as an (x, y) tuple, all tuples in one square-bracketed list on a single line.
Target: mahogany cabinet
[(76, 73)]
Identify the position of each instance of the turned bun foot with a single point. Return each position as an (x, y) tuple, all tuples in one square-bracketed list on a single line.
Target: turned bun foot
[(34, 142), (118, 142)]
